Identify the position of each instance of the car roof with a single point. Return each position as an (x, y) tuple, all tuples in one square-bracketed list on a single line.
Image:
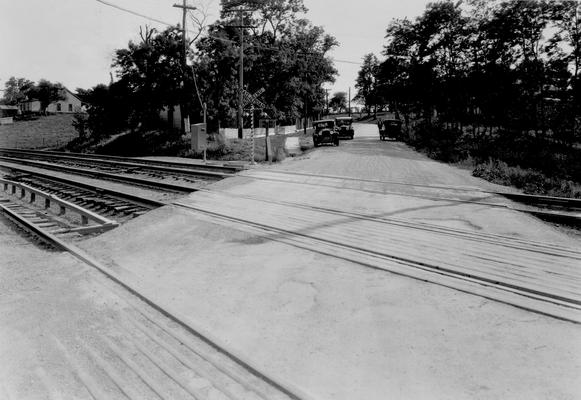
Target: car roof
[(344, 118), (324, 120)]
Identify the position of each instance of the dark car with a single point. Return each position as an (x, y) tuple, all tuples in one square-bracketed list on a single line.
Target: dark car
[(345, 127), (390, 128), (325, 132)]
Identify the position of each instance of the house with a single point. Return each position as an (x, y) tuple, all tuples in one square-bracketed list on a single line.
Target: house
[(70, 104), (7, 114), (8, 111)]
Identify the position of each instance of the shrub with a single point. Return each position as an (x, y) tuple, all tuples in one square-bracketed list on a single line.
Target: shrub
[(529, 180)]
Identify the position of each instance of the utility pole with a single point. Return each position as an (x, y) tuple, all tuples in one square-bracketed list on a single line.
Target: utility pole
[(238, 6), (349, 100), (185, 7), (241, 77), (327, 100)]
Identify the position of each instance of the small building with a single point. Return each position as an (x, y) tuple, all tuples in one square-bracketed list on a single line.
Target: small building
[(70, 104), (8, 111)]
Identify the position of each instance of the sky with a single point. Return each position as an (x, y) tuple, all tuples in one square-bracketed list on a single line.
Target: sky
[(73, 41)]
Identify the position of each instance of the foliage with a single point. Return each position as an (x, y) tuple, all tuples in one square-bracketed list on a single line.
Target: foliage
[(16, 90), (152, 74), (108, 110), (283, 53), (487, 79), (529, 180), (338, 101), (366, 84), (46, 92)]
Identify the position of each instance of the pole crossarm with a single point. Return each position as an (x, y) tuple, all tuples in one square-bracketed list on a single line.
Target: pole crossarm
[(186, 7)]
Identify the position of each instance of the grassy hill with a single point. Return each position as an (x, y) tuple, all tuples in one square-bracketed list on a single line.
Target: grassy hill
[(46, 132)]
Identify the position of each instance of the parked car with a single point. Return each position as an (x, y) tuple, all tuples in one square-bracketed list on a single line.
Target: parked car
[(345, 127), (390, 128), (325, 132)]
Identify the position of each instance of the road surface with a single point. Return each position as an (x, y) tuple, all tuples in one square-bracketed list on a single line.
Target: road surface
[(310, 271)]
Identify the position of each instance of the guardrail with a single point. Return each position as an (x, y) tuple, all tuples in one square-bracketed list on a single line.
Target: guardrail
[(33, 195)]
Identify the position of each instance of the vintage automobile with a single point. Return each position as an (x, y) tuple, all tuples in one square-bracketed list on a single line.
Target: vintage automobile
[(390, 128), (325, 132), (345, 127)]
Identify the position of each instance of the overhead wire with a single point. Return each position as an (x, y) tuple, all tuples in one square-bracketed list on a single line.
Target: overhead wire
[(300, 54)]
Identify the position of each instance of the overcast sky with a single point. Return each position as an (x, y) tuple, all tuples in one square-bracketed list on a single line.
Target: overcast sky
[(72, 41)]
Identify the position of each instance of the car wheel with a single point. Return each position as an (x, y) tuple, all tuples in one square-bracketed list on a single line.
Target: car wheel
[(315, 143)]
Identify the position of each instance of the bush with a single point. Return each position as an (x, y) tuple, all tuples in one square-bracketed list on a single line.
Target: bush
[(439, 143), (529, 180)]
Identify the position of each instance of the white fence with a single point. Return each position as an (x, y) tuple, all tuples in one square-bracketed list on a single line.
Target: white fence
[(232, 133)]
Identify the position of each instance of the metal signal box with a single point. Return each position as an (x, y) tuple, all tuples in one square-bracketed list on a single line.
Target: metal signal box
[(199, 137)]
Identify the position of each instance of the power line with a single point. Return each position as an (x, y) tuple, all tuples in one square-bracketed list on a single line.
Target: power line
[(300, 54), (133, 12)]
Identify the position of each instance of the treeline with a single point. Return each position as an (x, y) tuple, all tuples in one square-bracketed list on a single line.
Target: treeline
[(486, 79), (18, 90), (283, 53)]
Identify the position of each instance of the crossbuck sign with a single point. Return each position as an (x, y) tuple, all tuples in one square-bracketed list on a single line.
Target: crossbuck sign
[(254, 103)]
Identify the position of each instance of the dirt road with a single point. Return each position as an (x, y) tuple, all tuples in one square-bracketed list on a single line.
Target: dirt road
[(249, 263), (309, 271)]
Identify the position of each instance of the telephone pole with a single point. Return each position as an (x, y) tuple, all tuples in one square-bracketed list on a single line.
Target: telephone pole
[(185, 7), (238, 6), (349, 100), (241, 77)]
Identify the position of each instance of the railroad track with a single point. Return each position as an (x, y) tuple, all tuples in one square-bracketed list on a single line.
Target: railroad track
[(65, 208), (170, 358), (162, 175), (209, 166), (553, 209), (539, 277), (188, 169)]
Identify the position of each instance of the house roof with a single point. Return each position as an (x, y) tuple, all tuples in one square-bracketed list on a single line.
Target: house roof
[(5, 107)]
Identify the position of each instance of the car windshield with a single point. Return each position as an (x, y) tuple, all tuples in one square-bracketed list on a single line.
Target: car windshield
[(391, 122), (324, 125), (343, 122)]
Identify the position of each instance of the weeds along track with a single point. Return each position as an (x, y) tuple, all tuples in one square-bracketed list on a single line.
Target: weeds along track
[(161, 175)]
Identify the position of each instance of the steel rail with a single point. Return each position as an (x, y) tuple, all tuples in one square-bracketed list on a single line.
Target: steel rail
[(568, 309), (552, 216), (201, 169), (98, 174), (564, 202), (505, 241), (138, 200), (276, 382)]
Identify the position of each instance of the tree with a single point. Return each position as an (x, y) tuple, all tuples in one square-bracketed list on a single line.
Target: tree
[(366, 83), (46, 93), (283, 53), (16, 90), (108, 110), (153, 73), (338, 101)]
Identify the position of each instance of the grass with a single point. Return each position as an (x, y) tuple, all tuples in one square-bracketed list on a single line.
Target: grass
[(529, 180), (46, 132), (162, 143)]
